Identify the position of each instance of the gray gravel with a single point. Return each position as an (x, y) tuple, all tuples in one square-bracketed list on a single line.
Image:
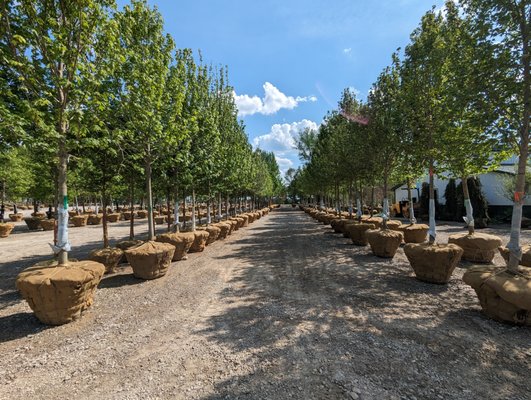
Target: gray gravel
[(282, 309)]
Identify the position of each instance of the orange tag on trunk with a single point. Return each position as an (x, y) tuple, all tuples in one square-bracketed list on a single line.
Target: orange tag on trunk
[(519, 196)]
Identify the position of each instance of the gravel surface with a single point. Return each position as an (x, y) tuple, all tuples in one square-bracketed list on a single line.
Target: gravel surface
[(282, 309)]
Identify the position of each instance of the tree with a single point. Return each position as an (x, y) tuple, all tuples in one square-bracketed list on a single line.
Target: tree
[(385, 126), (423, 79), (507, 26), (471, 146), (144, 73), (50, 56)]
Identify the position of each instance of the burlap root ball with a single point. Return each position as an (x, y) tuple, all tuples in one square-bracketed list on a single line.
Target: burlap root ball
[(503, 296), (200, 241), (48, 224), (234, 226), (34, 224), (79, 220), (59, 294), (336, 223), (345, 227), (358, 233), (376, 221), (414, 233), (110, 257), (224, 230), (95, 219), (479, 247), (141, 214), (433, 263), (16, 217), (213, 233), (393, 225), (160, 219), (385, 242), (150, 260), (526, 255), (5, 229), (114, 217), (181, 242), (127, 244)]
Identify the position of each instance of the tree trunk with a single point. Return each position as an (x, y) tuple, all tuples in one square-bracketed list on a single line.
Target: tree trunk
[(151, 227), (227, 207), (469, 218), (385, 205), (132, 221), (168, 208), (350, 204), (176, 225), (209, 217), (220, 215), (184, 211), (412, 218), (519, 195), (104, 222), (193, 209), (432, 229), (63, 246)]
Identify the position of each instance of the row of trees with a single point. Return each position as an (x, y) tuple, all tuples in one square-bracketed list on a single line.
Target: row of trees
[(103, 99), (455, 103)]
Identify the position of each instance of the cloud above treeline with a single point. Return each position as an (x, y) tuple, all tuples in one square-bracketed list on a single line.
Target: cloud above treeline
[(272, 101), (282, 141)]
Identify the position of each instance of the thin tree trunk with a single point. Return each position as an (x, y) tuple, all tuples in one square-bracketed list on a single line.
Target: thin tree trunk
[(168, 208), (151, 227), (432, 229), (184, 211), (412, 218), (62, 235), (385, 211), (132, 220), (176, 225), (193, 209), (104, 222), (220, 216), (469, 218), (227, 207)]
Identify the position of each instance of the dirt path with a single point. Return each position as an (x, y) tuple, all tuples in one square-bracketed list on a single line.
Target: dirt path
[(282, 309)]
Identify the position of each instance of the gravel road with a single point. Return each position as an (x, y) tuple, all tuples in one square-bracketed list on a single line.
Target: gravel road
[(282, 309)]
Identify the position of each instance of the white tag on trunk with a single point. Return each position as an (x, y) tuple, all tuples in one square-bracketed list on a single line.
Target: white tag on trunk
[(62, 232), (432, 219)]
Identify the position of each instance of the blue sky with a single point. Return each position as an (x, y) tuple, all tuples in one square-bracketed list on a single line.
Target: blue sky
[(289, 60)]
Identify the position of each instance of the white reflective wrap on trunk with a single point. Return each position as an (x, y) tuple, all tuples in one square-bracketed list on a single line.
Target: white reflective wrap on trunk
[(412, 218), (469, 219), (514, 240), (209, 218), (176, 214), (385, 211), (432, 219), (359, 213), (62, 231)]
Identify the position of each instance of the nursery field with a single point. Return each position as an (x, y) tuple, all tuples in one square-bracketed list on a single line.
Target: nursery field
[(284, 308)]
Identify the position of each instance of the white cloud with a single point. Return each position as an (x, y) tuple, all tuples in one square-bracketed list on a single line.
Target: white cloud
[(282, 141), (273, 101), (347, 51), (283, 164), (282, 137)]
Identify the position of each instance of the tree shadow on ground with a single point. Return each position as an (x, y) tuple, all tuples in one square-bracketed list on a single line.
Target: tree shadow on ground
[(16, 326), (323, 320)]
